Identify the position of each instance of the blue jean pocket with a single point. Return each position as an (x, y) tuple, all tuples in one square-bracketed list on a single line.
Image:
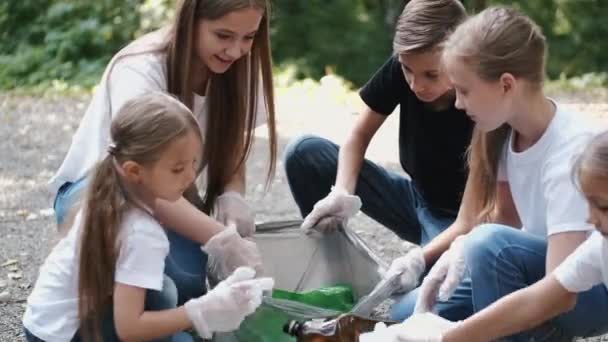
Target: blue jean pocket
[(68, 194)]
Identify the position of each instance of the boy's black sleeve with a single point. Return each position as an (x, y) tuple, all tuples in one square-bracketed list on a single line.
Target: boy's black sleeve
[(381, 92)]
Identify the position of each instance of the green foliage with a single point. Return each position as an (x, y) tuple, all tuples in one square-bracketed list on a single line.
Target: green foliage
[(57, 39), (72, 40), (575, 30), (348, 37)]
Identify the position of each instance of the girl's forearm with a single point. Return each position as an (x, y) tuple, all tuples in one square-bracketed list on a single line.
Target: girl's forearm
[(462, 225), (433, 250), (152, 325), (184, 218)]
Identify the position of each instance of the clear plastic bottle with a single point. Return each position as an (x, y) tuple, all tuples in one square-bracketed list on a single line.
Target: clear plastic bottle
[(345, 328)]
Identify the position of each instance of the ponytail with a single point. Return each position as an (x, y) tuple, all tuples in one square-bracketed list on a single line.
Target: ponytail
[(99, 248), (484, 156)]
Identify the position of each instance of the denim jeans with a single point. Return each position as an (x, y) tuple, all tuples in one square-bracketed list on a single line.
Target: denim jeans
[(388, 198), (501, 260), (155, 301), (186, 263)]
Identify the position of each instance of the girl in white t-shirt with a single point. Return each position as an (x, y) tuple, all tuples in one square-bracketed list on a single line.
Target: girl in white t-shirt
[(215, 58), (103, 281), (556, 293), (521, 210)]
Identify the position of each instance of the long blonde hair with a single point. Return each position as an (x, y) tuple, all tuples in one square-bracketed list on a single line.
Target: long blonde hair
[(426, 24), (143, 128), (231, 97), (498, 40)]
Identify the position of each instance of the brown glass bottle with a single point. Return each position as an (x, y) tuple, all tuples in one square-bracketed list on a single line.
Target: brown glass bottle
[(345, 328)]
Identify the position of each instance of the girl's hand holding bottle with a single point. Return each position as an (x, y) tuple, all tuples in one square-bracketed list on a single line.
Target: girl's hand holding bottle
[(226, 306)]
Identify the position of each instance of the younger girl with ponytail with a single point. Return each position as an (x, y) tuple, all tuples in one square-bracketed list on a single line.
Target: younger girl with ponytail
[(104, 281)]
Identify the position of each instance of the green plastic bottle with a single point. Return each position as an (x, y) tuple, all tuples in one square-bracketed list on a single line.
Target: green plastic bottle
[(266, 324), (339, 297)]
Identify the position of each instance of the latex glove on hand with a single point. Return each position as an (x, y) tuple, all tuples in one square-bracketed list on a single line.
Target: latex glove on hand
[(333, 211), (381, 333), (231, 208), (226, 306), (409, 268), (443, 278), (425, 327), (227, 251)]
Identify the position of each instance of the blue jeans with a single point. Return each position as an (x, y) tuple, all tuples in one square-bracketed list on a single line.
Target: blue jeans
[(186, 263), (155, 301), (501, 260), (388, 198)]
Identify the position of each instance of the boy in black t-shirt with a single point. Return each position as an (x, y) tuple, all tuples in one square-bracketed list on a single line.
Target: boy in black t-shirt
[(433, 139)]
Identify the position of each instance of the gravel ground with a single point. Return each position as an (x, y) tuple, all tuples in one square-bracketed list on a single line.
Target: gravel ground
[(36, 133)]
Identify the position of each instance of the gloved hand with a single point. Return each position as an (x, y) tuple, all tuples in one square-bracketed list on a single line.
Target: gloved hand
[(226, 306), (425, 327), (381, 333), (227, 251), (443, 278), (231, 208), (418, 328), (333, 211), (410, 267)]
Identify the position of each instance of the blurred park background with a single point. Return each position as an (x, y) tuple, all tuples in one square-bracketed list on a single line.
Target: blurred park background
[(69, 42)]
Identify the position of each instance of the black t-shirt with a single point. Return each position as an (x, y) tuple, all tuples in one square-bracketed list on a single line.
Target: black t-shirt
[(432, 144)]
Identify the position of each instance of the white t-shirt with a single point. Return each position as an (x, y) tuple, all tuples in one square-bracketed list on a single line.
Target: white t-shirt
[(52, 307), (130, 77), (586, 267), (540, 178)]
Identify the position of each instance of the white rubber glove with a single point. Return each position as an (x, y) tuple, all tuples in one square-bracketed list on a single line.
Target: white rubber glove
[(227, 251), (425, 327), (410, 267), (231, 208), (443, 278), (333, 211), (226, 306), (381, 333)]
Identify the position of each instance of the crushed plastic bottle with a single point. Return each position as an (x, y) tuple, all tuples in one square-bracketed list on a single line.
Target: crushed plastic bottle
[(345, 328), (265, 324)]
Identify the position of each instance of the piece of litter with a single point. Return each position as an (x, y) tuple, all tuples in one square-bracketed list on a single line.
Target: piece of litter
[(31, 217), (47, 212), (14, 275), (5, 297), (10, 262)]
